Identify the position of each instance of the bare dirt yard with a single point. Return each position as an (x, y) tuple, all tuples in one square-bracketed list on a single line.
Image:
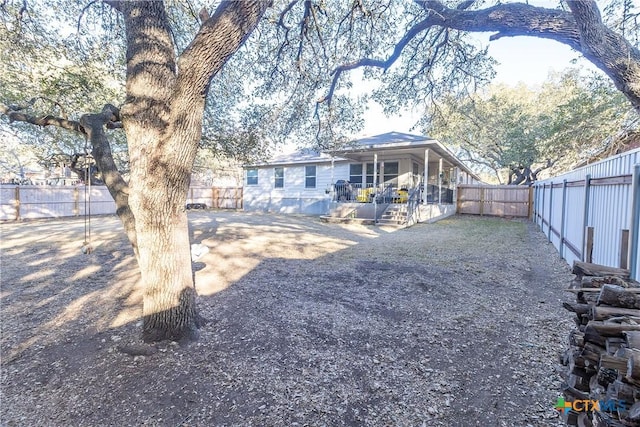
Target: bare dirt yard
[(457, 323)]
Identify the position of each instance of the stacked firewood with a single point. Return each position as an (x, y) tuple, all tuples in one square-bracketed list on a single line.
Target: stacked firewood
[(601, 369)]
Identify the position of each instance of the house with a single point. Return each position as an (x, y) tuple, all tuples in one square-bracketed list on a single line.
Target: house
[(345, 183)]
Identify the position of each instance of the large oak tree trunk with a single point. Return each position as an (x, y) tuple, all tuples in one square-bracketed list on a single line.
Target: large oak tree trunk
[(162, 118)]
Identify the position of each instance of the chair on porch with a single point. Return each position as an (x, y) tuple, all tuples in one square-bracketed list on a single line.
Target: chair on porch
[(365, 195), (401, 196)]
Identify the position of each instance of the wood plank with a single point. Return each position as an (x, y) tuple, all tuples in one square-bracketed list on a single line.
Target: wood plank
[(612, 180), (578, 290), (603, 312), (591, 269), (589, 248), (624, 249)]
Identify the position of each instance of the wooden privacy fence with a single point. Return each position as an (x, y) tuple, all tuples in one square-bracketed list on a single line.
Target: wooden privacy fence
[(495, 200), (36, 201), (216, 197)]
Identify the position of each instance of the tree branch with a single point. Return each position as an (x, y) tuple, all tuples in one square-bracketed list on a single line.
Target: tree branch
[(582, 30), (508, 20), (218, 38), (94, 125), (377, 63), (15, 114), (609, 51)]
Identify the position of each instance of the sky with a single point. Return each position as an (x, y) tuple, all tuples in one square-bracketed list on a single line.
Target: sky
[(521, 59)]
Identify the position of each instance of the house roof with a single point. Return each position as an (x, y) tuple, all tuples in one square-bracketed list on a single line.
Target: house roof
[(389, 139), (394, 143), (299, 156), (391, 143)]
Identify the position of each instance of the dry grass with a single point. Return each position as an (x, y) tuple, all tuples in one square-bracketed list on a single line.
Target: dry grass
[(456, 323)]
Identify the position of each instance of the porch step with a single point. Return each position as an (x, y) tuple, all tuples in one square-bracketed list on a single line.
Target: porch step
[(395, 214)]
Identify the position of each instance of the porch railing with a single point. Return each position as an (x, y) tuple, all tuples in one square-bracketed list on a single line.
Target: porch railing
[(365, 193), (415, 199)]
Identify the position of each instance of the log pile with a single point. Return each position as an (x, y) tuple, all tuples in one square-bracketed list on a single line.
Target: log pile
[(601, 369)]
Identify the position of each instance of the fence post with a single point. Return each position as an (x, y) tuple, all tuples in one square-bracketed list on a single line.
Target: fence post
[(635, 224), (76, 201), (530, 210), (624, 249), (585, 216), (589, 248), (534, 203), (544, 189), (17, 201), (550, 209), (481, 201), (563, 216)]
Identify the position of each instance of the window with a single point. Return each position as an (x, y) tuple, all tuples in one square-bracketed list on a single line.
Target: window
[(370, 173), (252, 176), (355, 173), (309, 177), (391, 173), (278, 174)]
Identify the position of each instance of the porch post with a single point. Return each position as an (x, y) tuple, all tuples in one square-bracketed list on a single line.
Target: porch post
[(332, 190), (375, 188), (426, 176), (455, 184), (440, 182), (332, 160)]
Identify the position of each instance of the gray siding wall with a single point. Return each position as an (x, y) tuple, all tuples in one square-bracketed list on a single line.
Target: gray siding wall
[(294, 197)]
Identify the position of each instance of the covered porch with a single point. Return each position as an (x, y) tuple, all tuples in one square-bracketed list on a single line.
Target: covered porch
[(408, 175)]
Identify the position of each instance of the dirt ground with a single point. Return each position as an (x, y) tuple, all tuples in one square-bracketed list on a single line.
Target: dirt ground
[(457, 323)]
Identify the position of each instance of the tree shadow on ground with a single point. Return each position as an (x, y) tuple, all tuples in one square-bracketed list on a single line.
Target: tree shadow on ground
[(312, 323)]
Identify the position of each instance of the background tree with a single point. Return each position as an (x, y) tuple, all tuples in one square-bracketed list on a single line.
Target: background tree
[(15, 158), (518, 132)]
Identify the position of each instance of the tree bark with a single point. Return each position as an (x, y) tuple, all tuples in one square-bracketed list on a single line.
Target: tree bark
[(618, 296), (608, 50), (162, 118)]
